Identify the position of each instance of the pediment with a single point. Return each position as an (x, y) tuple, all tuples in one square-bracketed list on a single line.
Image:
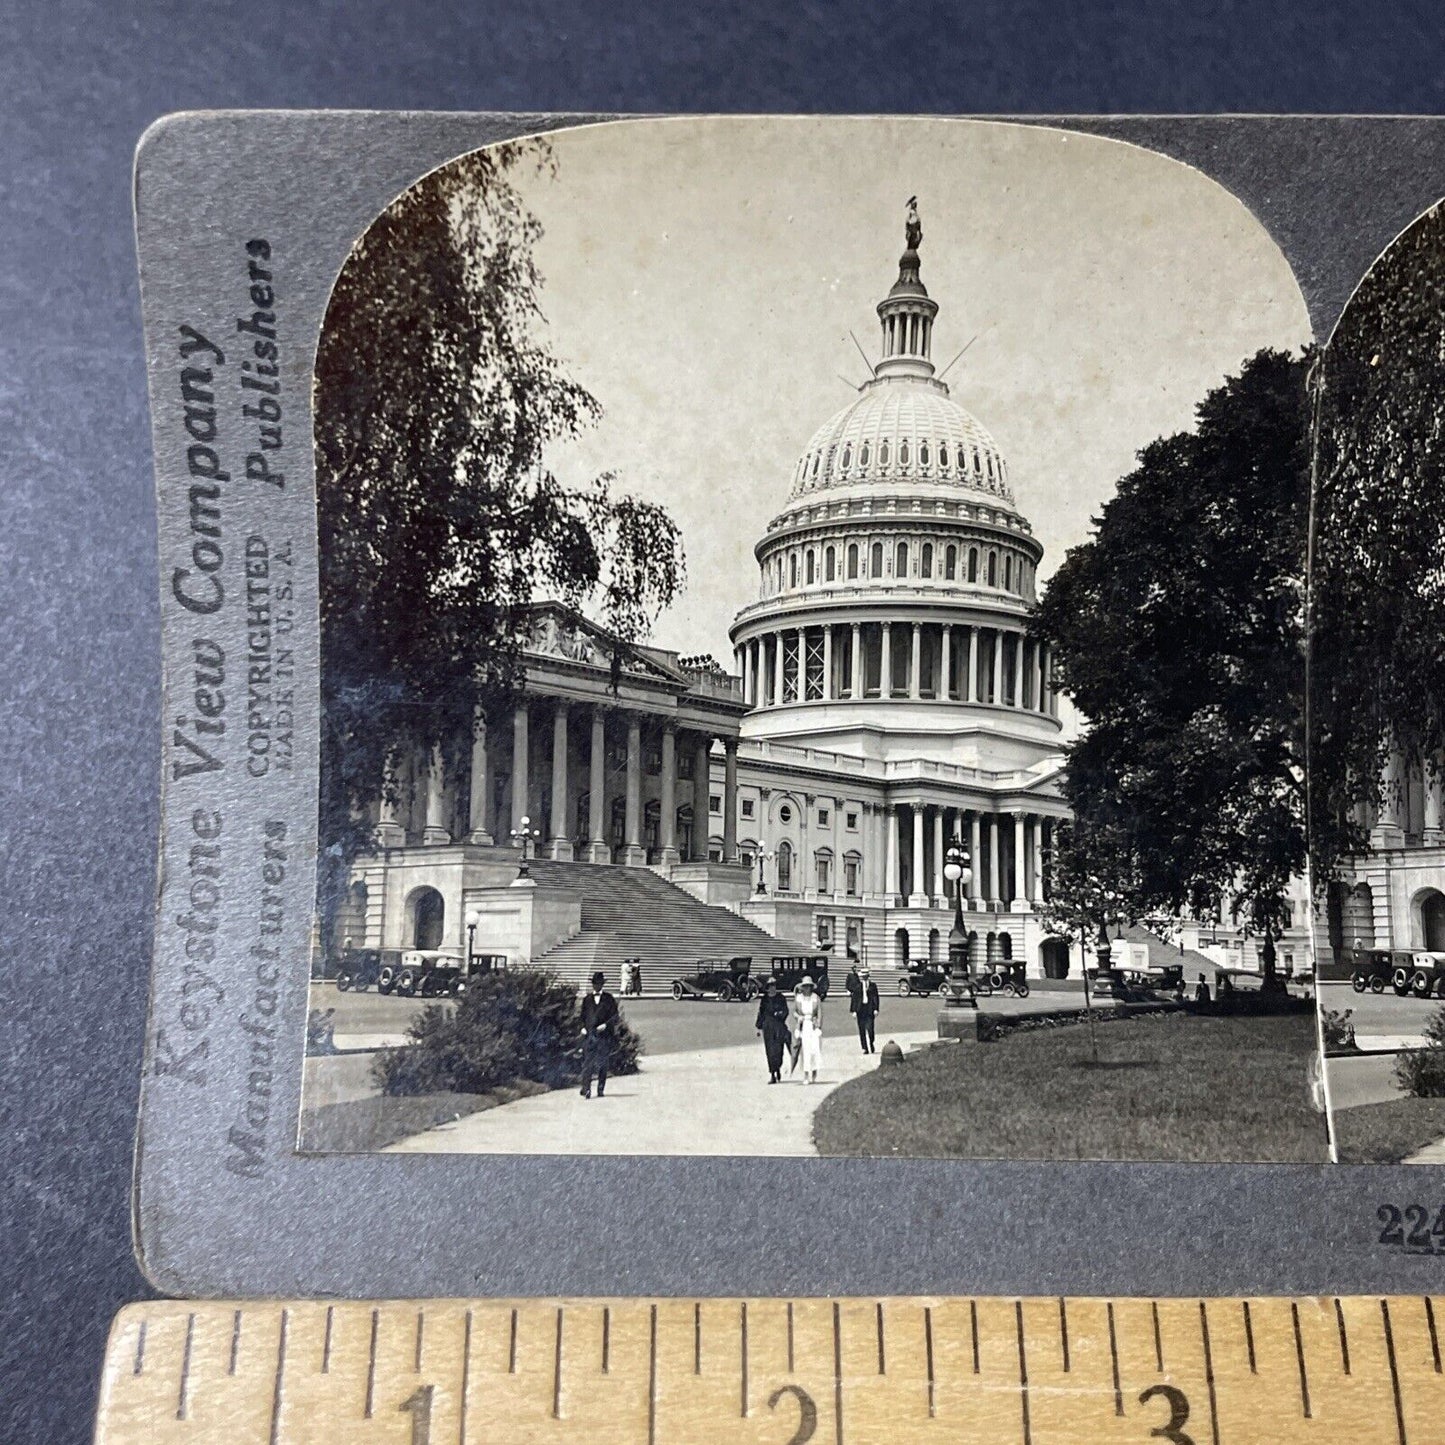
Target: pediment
[(556, 632)]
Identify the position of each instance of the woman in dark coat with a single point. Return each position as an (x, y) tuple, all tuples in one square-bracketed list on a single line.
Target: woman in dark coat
[(772, 1024)]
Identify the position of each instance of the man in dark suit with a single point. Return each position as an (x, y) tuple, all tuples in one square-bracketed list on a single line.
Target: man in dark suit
[(599, 1024), (863, 1005)]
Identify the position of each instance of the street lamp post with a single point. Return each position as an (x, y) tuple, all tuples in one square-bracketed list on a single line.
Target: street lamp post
[(524, 837), (960, 990), (763, 856), (473, 918)]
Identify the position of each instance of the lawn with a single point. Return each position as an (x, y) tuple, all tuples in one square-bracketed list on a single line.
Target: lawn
[(362, 1126), (1176, 1087), (1387, 1133)]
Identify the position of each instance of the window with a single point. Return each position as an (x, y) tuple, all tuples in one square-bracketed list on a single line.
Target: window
[(863, 459), (875, 561), (900, 563), (903, 454), (852, 560), (785, 867), (850, 877), (993, 569), (714, 803), (824, 818), (824, 866), (830, 564), (793, 569), (883, 455), (950, 563), (825, 931), (1008, 573), (785, 814), (926, 563), (748, 807), (818, 457), (847, 457), (923, 454), (973, 564), (850, 820), (810, 567)]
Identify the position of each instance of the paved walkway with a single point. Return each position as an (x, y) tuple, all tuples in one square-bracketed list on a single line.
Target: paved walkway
[(704, 1101)]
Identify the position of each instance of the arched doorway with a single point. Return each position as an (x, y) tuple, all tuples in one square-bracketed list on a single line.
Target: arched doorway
[(933, 945), (1359, 917), (1430, 906), (785, 867), (900, 948), (684, 831), (425, 919), (351, 917), (652, 828), (1054, 956)]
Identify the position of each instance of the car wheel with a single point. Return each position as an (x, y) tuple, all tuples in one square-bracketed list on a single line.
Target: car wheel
[(1359, 982), (459, 988), (904, 988), (725, 993), (1421, 983), (343, 982), (1400, 981), (406, 984), (677, 991), (1377, 984), (386, 980)]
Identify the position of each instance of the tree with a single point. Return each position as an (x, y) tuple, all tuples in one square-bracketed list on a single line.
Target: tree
[(1377, 564), (1178, 631), (438, 517)]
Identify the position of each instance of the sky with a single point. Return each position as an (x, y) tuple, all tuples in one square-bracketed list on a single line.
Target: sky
[(701, 277)]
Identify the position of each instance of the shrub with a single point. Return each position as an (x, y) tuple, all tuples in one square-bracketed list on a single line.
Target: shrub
[(1421, 1072), (1339, 1031), (508, 1026)]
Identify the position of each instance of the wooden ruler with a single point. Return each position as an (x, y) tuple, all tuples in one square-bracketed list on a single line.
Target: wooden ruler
[(1035, 1371)]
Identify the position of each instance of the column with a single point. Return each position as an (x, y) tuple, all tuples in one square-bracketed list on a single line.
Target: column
[(435, 828), (667, 804), (855, 681), (730, 800), (633, 853), (938, 879), (975, 859), (1036, 826), (598, 850), (520, 768), (1046, 669), (777, 669), (1040, 700), (890, 877), (802, 663), (701, 787), (995, 887), (885, 668), (1389, 829), (915, 664), (970, 685), (560, 825), (390, 827), (996, 692), (829, 691), (1020, 901), (480, 811), (918, 898), (944, 690)]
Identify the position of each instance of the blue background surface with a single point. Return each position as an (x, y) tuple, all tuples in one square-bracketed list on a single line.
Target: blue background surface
[(79, 695)]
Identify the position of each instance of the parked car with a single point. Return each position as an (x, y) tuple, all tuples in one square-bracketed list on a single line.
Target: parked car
[(1373, 968), (922, 979), (1427, 974), (789, 969), (361, 968), (1158, 978), (720, 978), (431, 973)]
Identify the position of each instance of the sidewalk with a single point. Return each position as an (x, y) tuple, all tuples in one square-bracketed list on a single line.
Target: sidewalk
[(706, 1101)]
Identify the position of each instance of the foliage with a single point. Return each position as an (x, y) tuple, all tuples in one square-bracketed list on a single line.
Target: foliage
[(1177, 629), (1421, 1072), (1092, 880), (1377, 564), (1339, 1031), (438, 517), (509, 1026)]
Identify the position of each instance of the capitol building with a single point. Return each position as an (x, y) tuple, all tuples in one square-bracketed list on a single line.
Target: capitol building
[(885, 700)]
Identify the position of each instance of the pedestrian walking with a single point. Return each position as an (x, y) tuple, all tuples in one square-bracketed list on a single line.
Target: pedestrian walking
[(808, 1010), (863, 1005), (599, 1024), (772, 1026), (1201, 993)]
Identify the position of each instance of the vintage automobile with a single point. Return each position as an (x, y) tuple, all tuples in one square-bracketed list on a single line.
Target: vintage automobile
[(1373, 968), (791, 968), (431, 973), (1427, 974), (1157, 978), (726, 979), (922, 979), (360, 968)]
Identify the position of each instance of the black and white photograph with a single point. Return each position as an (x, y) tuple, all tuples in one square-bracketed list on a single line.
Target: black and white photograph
[(1377, 681), (812, 621)]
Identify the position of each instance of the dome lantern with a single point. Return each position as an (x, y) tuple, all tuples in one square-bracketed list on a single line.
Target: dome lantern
[(907, 312)]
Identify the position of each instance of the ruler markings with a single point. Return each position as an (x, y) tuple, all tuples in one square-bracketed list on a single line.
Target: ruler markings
[(1064, 1333), (1023, 1372), (1249, 1339), (467, 1374), (1208, 1369), (1158, 1342), (973, 1324), (837, 1375), (652, 1380), (279, 1385), (557, 1370), (878, 1315), (371, 1363), (1299, 1350), (140, 1348), (1114, 1360), (1434, 1339), (1394, 1370), (512, 1347), (184, 1391), (606, 1340), (325, 1341), (743, 1357), (928, 1357)]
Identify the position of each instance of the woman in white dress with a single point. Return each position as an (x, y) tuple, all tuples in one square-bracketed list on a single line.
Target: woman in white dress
[(808, 1011)]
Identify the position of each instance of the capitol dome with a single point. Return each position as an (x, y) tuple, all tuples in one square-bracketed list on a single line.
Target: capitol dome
[(903, 429)]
